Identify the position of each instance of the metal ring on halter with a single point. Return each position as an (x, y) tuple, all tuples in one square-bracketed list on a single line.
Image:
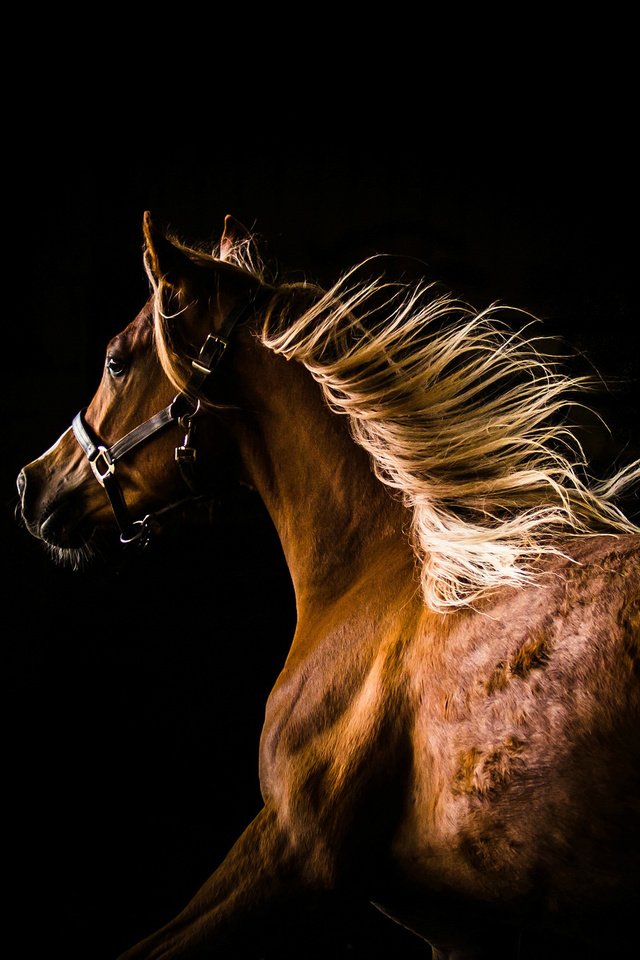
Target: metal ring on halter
[(144, 530), (186, 418)]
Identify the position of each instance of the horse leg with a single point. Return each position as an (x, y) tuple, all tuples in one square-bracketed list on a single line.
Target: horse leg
[(433, 918), (252, 898)]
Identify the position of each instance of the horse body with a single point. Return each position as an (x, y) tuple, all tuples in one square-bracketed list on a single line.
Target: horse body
[(474, 774), (525, 758), (486, 769), (492, 757)]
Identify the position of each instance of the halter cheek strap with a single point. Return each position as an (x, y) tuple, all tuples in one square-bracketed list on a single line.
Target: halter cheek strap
[(182, 411)]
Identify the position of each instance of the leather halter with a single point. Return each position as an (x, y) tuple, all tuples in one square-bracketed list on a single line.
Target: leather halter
[(182, 410)]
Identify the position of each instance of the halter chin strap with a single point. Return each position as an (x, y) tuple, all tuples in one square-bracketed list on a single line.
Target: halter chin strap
[(182, 411)]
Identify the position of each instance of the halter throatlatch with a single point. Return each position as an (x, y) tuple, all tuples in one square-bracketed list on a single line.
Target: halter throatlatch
[(181, 411)]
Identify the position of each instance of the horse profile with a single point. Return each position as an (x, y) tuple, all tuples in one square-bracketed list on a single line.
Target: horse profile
[(454, 734)]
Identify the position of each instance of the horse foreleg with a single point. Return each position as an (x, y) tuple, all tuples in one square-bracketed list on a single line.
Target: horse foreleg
[(241, 904)]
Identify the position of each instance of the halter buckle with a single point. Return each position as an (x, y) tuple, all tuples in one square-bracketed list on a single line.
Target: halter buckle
[(102, 464), (210, 354)]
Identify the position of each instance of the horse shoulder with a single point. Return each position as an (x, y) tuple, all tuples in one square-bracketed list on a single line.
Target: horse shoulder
[(335, 734)]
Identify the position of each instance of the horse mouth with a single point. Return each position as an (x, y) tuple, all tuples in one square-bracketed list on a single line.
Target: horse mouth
[(62, 528)]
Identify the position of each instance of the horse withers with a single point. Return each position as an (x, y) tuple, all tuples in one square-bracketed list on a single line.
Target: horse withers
[(454, 734)]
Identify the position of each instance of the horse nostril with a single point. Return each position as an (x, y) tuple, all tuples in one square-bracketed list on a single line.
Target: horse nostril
[(21, 483)]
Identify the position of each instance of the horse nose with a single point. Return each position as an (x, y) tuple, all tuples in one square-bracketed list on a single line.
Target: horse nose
[(21, 484)]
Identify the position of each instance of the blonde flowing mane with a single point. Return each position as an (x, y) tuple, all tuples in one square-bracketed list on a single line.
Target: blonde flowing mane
[(464, 416)]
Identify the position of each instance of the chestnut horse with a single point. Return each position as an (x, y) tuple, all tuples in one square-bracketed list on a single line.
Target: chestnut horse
[(454, 734)]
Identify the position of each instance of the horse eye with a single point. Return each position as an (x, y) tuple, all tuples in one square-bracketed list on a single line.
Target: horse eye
[(116, 366)]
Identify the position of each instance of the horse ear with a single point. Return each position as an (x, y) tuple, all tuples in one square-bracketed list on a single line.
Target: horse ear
[(165, 259), (233, 233)]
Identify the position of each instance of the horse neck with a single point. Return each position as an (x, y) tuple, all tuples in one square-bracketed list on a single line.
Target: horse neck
[(333, 517)]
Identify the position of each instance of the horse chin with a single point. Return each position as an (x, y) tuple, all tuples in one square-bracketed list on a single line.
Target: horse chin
[(76, 558), (70, 541), (96, 548)]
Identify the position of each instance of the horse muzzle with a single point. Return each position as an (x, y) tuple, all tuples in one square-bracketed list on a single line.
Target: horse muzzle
[(57, 501)]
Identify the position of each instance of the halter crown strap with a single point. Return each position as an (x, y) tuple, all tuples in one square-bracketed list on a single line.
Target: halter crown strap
[(215, 346)]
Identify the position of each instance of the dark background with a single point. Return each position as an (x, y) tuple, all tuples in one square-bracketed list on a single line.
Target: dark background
[(136, 692)]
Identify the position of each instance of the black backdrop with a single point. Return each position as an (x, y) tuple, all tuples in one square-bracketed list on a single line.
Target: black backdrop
[(135, 693)]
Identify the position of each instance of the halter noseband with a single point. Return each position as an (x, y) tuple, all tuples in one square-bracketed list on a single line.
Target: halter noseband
[(182, 410)]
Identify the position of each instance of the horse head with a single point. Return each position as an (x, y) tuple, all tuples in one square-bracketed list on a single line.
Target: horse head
[(135, 442)]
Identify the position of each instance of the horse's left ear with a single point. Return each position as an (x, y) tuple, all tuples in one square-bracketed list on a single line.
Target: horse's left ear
[(233, 233), (166, 260)]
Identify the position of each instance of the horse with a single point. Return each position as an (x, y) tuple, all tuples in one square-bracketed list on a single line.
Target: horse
[(453, 736)]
